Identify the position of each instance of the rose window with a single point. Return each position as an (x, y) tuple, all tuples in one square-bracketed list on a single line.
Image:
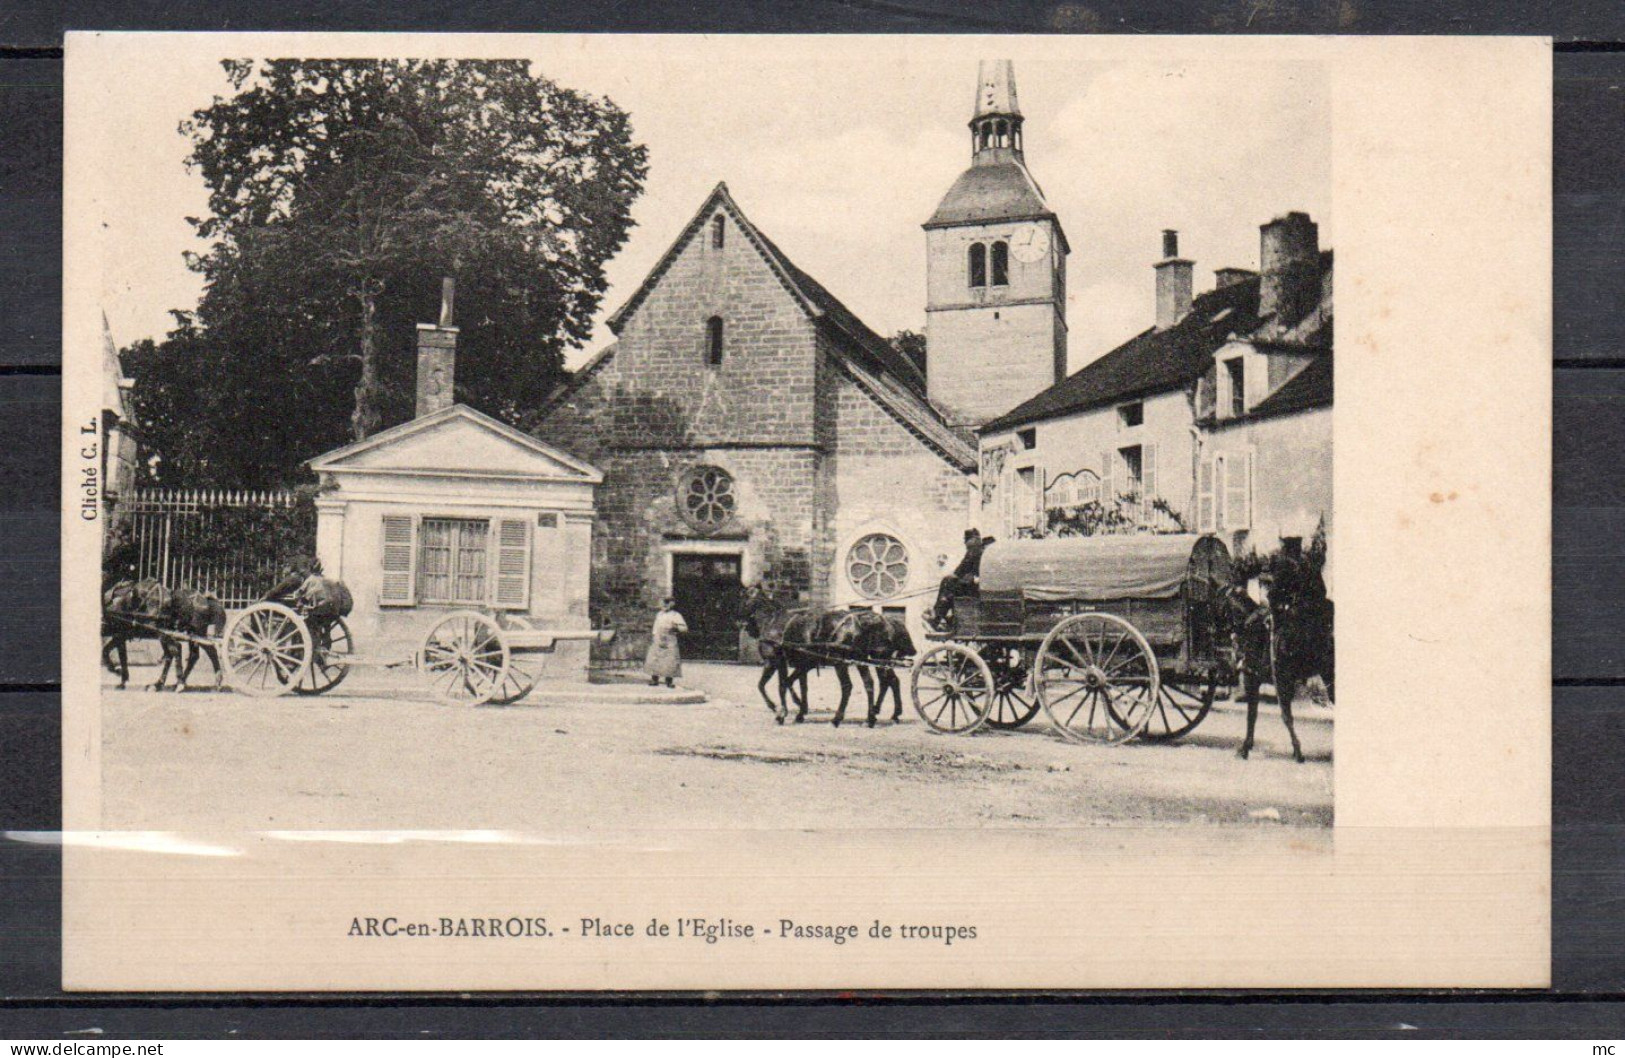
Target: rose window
[(706, 497), (877, 566)]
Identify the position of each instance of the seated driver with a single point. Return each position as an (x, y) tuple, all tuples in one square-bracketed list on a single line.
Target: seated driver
[(962, 581)]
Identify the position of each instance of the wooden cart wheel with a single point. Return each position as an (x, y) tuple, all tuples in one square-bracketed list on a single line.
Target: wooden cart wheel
[(1013, 701), (525, 668), (266, 650), (1097, 679), (329, 664), (952, 688), (465, 657), (1179, 710)]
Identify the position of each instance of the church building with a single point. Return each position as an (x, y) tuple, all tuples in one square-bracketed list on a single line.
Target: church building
[(751, 429)]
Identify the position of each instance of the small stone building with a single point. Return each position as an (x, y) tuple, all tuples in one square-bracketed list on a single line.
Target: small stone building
[(752, 428), (451, 511)]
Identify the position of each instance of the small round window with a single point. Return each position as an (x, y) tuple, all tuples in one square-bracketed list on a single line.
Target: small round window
[(706, 497), (877, 566)]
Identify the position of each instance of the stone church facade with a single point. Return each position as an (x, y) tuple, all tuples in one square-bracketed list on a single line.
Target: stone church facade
[(751, 429)]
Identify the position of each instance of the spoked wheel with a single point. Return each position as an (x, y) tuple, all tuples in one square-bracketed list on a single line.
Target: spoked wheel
[(1097, 679), (524, 669), (952, 688), (330, 662), (1179, 709), (465, 658), (267, 650), (1013, 701)]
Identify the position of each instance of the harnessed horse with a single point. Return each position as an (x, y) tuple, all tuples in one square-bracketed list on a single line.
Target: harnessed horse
[(795, 642)]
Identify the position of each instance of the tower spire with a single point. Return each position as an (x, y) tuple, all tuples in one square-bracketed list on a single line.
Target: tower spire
[(995, 122)]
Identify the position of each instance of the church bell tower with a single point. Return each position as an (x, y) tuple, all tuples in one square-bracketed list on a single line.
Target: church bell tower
[(995, 270)]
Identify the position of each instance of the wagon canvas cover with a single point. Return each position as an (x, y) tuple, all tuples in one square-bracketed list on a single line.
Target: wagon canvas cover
[(1096, 568)]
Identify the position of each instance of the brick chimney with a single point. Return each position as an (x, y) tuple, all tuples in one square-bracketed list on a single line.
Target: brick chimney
[(1289, 261), (1228, 277), (437, 356), (1173, 282)]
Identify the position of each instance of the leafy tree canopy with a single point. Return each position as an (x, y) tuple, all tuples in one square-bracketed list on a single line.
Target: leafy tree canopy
[(340, 192)]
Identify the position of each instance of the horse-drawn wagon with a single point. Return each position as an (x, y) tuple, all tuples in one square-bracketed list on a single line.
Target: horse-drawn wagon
[(272, 647), (467, 657), (1114, 637)]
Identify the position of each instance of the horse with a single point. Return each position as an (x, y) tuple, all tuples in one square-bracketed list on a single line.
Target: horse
[(197, 614), (794, 642), (146, 609), (131, 609), (1287, 642)]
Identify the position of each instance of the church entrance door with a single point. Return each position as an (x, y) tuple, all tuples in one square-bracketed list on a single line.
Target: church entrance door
[(709, 594)]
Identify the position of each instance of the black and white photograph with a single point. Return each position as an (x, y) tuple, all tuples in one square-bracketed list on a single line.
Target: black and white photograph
[(455, 407), (554, 438)]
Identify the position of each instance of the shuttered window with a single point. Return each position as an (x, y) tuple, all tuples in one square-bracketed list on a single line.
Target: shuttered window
[(1108, 484), (452, 560), (1205, 522), (513, 564), (1238, 492), (1148, 477), (399, 561), (456, 561)]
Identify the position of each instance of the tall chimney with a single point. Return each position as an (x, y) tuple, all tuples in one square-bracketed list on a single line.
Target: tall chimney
[(1289, 261), (437, 356), (1173, 282)]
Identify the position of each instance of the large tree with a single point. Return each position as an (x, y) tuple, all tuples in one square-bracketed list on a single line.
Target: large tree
[(340, 193)]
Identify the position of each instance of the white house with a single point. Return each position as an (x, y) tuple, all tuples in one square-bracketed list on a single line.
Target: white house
[(1217, 419), (454, 510)]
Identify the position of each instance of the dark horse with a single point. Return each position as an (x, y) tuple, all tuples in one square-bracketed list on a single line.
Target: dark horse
[(146, 609), (794, 642), (1285, 642)]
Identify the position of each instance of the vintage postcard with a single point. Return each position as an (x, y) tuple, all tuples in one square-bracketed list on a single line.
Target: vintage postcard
[(604, 512)]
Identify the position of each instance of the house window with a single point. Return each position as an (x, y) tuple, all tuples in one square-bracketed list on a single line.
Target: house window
[(978, 265), (1028, 437), (1133, 479), (705, 495), (1237, 370), (1028, 497), (452, 560), (877, 566), (1001, 264), (456, 561), (719, 230), (713, 341), (1131, 414)]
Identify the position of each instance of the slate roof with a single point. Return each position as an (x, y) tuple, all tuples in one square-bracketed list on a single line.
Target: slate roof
[(1309, 388), (1153, 361), (985, 193)]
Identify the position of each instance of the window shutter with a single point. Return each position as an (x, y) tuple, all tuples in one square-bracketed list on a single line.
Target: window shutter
[(400, 556), (1040, 499), (1108, 494), (1247, 521), (1237, 494), (513, 564), (1204, 497), (1148, 479)]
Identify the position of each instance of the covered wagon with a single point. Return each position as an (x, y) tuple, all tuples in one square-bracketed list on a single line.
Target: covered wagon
[(1114, 637)]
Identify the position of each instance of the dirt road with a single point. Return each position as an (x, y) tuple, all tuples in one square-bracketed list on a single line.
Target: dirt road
[(379, 757)]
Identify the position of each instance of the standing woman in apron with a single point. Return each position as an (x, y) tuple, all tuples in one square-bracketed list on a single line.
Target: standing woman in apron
[(665, 659)]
